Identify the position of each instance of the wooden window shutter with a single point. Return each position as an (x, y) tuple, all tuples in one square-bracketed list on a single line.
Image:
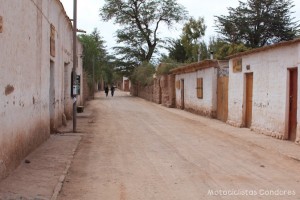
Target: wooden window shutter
[(200, 88), (52, 40), (178, 84)]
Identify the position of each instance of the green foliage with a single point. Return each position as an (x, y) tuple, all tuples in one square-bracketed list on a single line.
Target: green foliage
[(192, 31), (166, 66), (186, 49), (95, 58), (140, 21), (204, 51), (143, 74), (222, 49), (177, 51), (257, 23)]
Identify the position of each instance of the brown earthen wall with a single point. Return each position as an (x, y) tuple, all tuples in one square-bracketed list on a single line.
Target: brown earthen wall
[(161, 92), (86, 90), (168, 90), (156, 91)]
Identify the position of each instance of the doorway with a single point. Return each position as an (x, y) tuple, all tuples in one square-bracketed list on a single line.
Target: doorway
[(222, 98), (293, 87), (67, 92), (52, 97), (182, 94), (249, 99)]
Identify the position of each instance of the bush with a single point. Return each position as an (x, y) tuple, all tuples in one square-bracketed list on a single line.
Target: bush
[(143, 74), (165, 68)]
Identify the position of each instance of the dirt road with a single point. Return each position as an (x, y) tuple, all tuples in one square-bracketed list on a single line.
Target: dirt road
[(135, 150)]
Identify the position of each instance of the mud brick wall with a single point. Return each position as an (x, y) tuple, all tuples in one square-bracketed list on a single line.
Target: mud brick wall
[(145, 92), (157, 91), (167, 84), (161, 92), (86, 90)]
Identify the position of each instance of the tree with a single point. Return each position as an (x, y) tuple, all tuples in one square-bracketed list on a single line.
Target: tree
[(257, 23), (222, 49), (140, 21), (177, 51), (186, 48), (192, 31), (96, 60), (143, 74)]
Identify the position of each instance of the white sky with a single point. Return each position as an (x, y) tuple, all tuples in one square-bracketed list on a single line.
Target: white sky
[(88, 16)]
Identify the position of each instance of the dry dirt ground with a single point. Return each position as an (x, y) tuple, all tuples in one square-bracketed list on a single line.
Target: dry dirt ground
[(139, 150)]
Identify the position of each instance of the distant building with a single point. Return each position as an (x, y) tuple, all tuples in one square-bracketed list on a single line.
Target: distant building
[(126, 84), (264, 90), (36, 63)]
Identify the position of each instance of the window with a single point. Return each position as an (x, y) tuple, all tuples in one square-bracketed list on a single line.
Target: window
[(200, 88)]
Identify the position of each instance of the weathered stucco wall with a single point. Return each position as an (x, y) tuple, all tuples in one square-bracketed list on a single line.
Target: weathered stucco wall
[(270, 89), (206, 106), (34, 85)]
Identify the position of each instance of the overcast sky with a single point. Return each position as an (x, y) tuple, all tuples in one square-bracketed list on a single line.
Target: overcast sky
[(88, 16)]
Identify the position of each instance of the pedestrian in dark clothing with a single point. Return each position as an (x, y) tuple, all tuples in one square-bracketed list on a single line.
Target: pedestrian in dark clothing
[(112, 89), (106, 90)]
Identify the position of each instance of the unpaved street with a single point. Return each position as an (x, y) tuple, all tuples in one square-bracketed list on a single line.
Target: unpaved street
[(136, 150)]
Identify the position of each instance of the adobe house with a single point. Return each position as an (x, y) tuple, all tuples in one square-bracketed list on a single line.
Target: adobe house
[(36, 63), (263, 90), (202, 88)]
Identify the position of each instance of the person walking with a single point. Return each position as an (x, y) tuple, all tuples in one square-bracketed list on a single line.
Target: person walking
[(106, 90), (112, 89)]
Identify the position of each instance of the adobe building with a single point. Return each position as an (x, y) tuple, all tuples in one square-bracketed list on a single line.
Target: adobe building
[(36, 62), (202, 88), (264, 88)]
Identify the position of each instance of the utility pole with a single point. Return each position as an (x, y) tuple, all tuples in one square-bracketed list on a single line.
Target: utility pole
[(74, 64)]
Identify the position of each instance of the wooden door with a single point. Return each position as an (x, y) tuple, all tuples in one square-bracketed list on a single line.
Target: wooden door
[(293, 104), (182, 94), (249, 96), (126, 85), (222, 98)]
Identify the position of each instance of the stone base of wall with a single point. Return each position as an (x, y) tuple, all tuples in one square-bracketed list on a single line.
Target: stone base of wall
[(273, 134), (234, 123), (202, 112), (266, 132)]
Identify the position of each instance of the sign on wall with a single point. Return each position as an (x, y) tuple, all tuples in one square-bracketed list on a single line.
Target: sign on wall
[(52, 40), (237, 65)]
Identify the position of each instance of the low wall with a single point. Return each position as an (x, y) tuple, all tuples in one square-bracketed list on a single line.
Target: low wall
[(162, 91)]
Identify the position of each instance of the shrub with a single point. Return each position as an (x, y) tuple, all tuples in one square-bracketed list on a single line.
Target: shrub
[(143, 74)]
